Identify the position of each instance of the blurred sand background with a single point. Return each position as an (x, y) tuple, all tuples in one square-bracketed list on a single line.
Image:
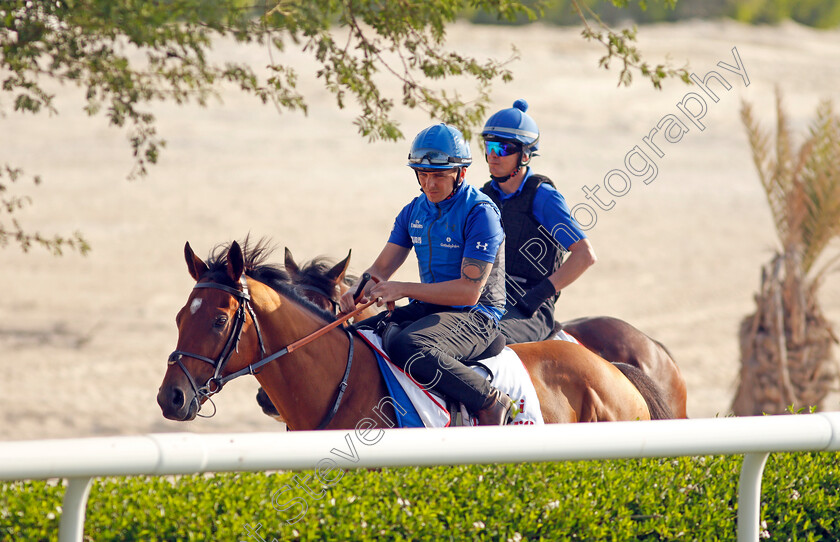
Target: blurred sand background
[(84, 340)]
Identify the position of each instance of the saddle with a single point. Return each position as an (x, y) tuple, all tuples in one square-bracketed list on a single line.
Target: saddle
[(497, 363), (559, 334)]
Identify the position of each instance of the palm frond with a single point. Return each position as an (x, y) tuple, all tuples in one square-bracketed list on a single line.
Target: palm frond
[(802, 185), (765, 164), (821, 177)]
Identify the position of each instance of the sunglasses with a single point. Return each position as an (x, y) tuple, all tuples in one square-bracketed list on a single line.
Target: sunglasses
[(501, 148)]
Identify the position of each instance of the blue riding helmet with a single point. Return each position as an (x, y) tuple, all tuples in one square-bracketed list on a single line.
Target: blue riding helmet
[(513, 124), (439, 147)]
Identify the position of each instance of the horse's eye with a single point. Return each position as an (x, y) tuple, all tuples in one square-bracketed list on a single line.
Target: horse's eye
[(220, 321)]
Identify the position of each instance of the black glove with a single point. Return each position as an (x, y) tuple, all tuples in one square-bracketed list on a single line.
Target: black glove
[(536, 296)]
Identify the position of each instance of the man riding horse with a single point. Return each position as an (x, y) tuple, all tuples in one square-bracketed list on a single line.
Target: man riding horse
[(538, 227), (453, 313)]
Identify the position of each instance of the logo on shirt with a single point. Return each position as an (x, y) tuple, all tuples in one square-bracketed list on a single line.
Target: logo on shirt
[(480, 246), (450, 244), (416, 239), (416, 224)]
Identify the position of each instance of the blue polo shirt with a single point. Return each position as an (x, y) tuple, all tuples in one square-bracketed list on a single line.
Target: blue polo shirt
[(467, 225), (551, 212)]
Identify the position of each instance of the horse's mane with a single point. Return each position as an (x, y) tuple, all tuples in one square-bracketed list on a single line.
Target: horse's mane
[(314, 272), (272, 275)]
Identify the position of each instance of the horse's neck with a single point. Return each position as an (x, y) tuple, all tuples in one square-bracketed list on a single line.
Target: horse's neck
[(303, 384)]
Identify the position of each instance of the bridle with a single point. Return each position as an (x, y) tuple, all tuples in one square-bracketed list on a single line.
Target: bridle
[(215, 383)]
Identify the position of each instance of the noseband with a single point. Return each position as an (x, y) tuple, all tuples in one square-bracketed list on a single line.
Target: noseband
[(215, 383)]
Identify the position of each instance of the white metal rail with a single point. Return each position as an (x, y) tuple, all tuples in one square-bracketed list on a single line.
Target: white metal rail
[(80, 460)]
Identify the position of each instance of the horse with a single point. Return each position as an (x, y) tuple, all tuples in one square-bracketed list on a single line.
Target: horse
[(244, 316), (611, 338)]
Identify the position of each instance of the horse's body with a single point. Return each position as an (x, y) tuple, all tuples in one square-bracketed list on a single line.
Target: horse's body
[(613, 339), (218, 339), (619, 342)]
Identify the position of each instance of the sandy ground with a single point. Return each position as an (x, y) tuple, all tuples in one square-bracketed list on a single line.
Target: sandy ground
[(84, 340)]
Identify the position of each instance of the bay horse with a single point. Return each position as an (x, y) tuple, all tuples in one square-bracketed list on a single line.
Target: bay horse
[(611, 338), (244, 317)]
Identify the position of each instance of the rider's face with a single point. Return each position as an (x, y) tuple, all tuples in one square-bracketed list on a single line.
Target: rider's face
[(437, 184), (500, 166)]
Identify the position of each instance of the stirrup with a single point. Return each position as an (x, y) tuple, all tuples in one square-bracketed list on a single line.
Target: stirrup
[(499, 411)]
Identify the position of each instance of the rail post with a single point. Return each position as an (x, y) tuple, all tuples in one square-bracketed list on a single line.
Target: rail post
[(749, 496), (71, 528)]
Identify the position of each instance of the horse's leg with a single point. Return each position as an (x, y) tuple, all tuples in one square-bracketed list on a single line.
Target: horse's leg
[(573, 384), (672, 381), (554, 406), (619, 342), (603, 402), (658, 407)]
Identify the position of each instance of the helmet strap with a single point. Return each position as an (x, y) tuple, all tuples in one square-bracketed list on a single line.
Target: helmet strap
[(462, 172), (506, 178), (524, 160)]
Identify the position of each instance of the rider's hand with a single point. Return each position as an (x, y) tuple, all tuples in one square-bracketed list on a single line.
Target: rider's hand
[(346, 301), (387, 292), (536, 296)]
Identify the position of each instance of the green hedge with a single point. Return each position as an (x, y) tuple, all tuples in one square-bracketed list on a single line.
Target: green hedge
[(817, 13), (652, 499)]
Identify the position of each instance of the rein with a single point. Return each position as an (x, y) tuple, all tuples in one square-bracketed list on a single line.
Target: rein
[(215, 383)]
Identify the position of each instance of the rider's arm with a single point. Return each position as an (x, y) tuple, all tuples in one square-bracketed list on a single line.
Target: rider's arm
[(388, 261), (464, 290), (483, 238), (581, 257), (552, 212)]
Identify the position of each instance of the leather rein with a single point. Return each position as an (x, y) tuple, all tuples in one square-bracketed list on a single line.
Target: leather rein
[(215, 383)]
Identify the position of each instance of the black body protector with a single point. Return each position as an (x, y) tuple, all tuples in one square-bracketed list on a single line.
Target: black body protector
[(531, 252)]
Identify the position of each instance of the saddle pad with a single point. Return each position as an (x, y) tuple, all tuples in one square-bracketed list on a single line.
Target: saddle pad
[(510, 377), (563, 336)]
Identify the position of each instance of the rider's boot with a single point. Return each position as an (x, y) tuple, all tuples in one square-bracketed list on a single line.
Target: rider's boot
[(496, 409)]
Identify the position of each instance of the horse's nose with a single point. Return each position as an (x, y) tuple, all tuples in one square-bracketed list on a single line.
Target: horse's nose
[(172, 402), (177, 398)]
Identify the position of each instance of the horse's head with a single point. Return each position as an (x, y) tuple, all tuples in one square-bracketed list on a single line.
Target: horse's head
[(323, 283), (319, 281), (213, 342)]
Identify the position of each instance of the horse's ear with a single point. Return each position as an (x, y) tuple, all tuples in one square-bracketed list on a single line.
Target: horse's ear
[(336, 274), (196, 266), (235, 262), (292, 267)]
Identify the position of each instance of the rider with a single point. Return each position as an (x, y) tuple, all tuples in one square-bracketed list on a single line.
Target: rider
[(454, 311), (538, 227)]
